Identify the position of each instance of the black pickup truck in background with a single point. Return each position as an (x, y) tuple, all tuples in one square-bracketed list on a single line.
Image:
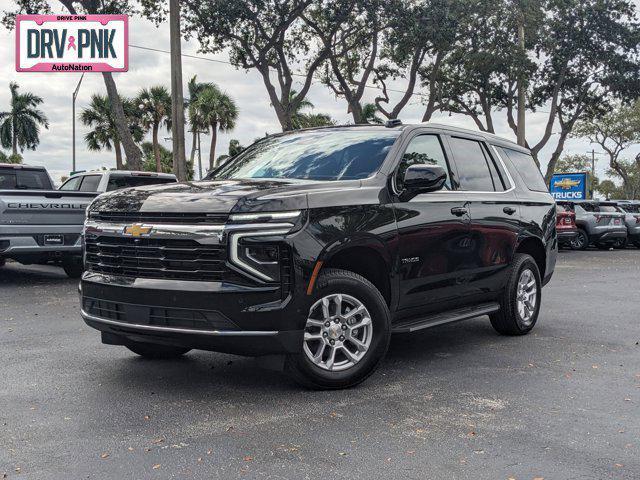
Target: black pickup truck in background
[(39, 224), (311, 248)]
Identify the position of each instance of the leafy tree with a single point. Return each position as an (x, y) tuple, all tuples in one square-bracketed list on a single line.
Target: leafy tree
[(155, 108), (588, 55), (20, 125), (217, 110), (349, 31), (614, 132), (608, 189), (3, 157), (104, 132), (89, 7), (235, 148), (369, 114), (417, 40), (268, 36)]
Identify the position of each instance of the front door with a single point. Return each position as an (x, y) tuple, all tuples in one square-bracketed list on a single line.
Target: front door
[(434, 232)]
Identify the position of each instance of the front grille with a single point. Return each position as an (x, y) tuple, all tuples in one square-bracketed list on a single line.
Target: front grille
[(157, 316), (176, 259), (160, 217)]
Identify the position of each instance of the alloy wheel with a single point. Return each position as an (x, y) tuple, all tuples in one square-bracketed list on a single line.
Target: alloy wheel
[(338, 332), (526, 296)]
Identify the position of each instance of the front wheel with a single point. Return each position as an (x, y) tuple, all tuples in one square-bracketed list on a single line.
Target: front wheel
[(155, 351), (581, 241), (520, 302), (346, 333)]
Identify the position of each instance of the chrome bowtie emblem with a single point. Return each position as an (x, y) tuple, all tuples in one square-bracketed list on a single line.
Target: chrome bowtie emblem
[(137, 230)]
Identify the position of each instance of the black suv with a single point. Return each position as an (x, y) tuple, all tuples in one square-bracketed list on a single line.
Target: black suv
[(310, 248)]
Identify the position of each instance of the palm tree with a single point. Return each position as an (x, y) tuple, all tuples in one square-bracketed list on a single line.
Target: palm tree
[(218, 111), (104, 133), (197, 125), (299, 119), (155, 106), (20, 126)]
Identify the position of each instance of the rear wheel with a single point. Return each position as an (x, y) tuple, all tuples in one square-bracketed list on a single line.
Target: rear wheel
[(155, 351), (621, 243), (346, 333), (73, 267), (581, 241), (520, 302)]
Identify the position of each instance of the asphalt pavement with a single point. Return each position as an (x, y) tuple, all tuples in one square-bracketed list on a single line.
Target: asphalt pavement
[(453, 402)]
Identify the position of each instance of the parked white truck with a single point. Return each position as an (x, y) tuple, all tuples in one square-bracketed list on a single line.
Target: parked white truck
[(41, 225)]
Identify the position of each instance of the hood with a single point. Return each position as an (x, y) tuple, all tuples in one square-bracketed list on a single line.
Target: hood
[(228, 196)]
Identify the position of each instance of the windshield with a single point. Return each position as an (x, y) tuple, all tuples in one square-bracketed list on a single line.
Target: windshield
[(349, 154), (22, 179), (117, 182)]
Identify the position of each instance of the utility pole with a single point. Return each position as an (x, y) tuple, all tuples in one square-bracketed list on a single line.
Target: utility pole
[(73, 114), (177, 97), (593, 170), (522, 140)]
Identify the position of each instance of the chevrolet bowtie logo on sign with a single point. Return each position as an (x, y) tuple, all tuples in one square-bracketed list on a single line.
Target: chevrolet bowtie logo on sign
[(72, 43), (566, 183), (137, 230)]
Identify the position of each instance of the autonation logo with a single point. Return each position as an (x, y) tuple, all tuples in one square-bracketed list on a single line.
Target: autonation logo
[(63, 43)]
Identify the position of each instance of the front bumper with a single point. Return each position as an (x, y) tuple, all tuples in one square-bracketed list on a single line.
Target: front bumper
[(213, 316)]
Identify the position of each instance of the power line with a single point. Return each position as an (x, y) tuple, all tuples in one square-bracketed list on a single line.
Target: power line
[(226, 62)]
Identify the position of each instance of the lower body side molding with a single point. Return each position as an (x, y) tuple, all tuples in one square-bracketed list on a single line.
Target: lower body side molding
[(414, 324)]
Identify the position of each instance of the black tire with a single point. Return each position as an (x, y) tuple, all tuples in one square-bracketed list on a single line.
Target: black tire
[(581, 241), (334, 281), (73, 267), (620, 244), (3, 262), (155, 351), (508, 320)]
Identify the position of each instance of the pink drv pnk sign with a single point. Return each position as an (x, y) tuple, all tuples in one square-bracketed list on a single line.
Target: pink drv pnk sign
[(72, 43)]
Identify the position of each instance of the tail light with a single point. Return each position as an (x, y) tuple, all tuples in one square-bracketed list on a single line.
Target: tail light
[(598, 218)]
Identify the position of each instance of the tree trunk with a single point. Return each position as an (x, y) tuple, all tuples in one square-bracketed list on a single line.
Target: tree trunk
[(212, 152), (177, 95), (134, 156), (555, 156), (116, 146), (14, 140), (194, 142), (156, 148)]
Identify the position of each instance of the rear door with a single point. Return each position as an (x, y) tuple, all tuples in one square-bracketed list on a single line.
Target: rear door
[(494, 210), (433, 231)]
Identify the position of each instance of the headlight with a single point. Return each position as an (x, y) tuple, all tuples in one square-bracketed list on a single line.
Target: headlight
[(257, 258)]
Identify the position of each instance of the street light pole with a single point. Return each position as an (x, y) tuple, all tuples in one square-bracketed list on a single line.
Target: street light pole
[(73, 113)]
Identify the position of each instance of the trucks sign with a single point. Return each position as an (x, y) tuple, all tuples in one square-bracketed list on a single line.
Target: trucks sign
[(72, 43), (569, 186)]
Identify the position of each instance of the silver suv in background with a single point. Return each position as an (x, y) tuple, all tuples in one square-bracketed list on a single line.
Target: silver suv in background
[(631, 209), (101, 181), (599, 223)]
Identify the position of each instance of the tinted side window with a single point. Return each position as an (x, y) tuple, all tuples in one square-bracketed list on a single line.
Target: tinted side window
[(528, 170), (117, 182), (21, 179), (423, 150), (473, 168), (71, 184), (90, 183)]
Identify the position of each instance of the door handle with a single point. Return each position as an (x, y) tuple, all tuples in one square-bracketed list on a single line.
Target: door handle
[(459, 211), (509, 210)]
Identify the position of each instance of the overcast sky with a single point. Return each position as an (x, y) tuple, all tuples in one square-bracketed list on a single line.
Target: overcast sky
[(148, 68)]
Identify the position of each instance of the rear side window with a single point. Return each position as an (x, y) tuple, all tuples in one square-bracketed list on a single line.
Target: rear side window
[(526, 167), (90, 183), (630, 208), (71, 184), (473, 166), (117, 182), (423, 150), (21, 179), (608, 209)]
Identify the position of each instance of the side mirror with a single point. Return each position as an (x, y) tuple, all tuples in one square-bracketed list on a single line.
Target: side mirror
[(423, 179)]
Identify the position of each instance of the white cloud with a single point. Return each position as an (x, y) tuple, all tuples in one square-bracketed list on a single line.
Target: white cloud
[(151, 68)]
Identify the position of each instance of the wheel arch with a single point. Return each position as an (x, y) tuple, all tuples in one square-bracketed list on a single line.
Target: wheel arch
[(534, 247)]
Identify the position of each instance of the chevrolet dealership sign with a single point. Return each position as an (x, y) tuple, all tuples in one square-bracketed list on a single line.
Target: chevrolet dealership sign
[(72, 43)]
